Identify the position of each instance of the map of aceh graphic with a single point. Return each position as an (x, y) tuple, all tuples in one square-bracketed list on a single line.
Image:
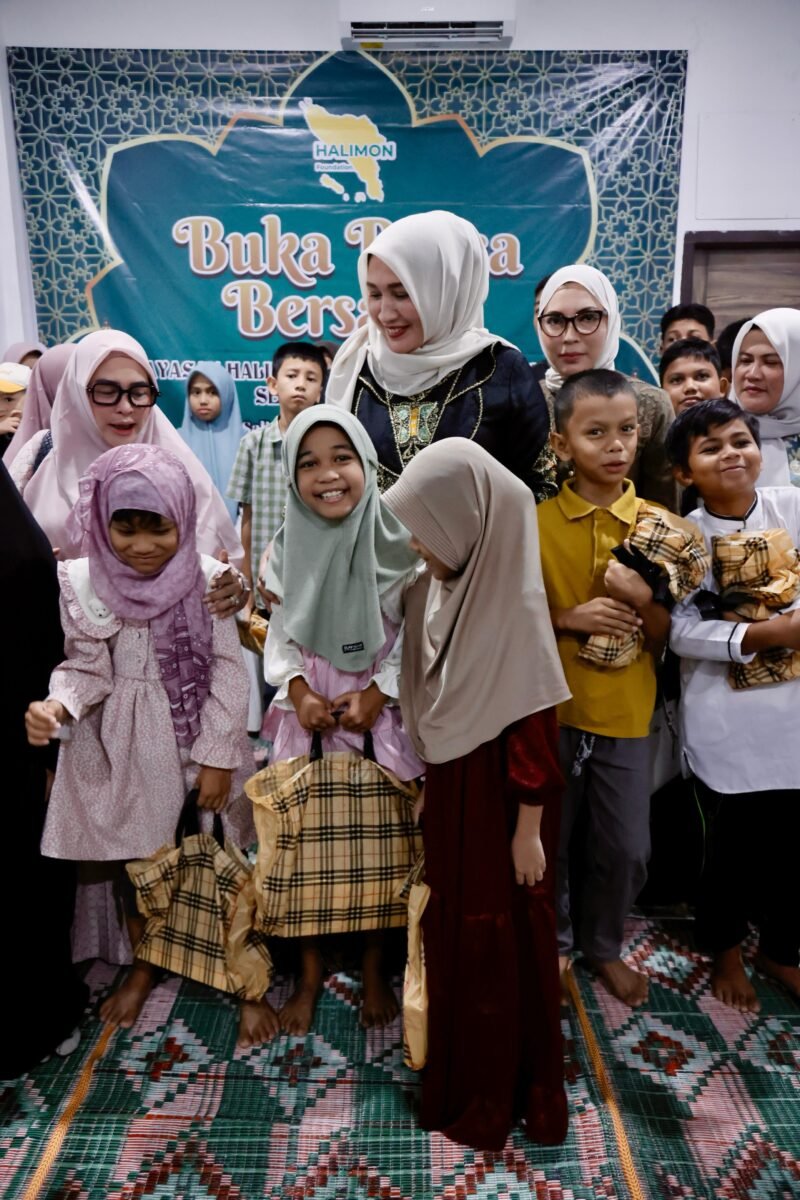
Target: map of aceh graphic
[(347, 140)]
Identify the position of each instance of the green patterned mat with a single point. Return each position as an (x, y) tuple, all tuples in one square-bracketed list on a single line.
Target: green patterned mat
[(709, 1100)]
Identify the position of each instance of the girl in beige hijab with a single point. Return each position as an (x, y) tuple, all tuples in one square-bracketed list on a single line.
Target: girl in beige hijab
[(479, 682)]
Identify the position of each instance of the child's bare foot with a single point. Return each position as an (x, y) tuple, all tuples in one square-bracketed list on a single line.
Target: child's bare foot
[(378, 1003), (622, 981), (298, 1011), (788, 976), (123, 1006), (563, 967), (258, 1023), (731, 984)]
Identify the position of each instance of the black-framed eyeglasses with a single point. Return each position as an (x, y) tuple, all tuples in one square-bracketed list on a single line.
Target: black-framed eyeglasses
[(586, 321), (105, 392)]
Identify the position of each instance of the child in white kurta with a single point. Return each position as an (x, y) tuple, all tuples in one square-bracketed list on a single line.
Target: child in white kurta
[(152, 693)]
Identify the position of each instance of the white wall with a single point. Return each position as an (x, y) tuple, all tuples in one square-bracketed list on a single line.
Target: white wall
[(741, 150)]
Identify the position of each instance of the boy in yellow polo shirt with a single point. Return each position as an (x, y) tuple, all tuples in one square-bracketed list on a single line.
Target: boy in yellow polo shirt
[(605, 836)]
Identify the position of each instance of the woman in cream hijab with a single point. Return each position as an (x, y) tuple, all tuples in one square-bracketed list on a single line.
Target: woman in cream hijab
[(766, 381), (424, 367), (479, 681), (579, 324)]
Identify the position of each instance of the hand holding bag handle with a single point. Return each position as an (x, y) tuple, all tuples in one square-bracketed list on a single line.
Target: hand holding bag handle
[(189, 820), (316, 747)]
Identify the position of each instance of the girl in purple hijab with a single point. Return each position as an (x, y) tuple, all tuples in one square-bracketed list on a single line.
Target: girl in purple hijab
[(153, 692)]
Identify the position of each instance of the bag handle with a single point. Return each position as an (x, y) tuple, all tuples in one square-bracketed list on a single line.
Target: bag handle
[(316, 746), (189, 820)]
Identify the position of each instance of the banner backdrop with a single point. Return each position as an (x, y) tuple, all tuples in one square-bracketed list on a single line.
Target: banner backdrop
[(223, 242)]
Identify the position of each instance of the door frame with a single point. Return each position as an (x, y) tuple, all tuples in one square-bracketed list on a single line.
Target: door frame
[(755, 239)]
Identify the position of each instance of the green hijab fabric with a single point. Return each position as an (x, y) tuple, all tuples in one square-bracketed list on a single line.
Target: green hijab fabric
[(330, 574)]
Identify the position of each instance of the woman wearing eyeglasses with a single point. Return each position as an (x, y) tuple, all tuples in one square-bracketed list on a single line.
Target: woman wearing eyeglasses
[(424, 367), (579, 326), (106, 398)]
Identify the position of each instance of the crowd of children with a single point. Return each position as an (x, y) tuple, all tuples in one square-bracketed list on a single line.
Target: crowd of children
[(494, 661)]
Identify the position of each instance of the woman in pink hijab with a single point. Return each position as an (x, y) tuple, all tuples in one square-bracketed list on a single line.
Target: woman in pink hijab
[(107, 398), (45, 377), (24, 352)]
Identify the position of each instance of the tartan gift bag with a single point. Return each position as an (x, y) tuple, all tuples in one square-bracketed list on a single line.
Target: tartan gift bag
[(415, 981), (199, 901), (336, 840)]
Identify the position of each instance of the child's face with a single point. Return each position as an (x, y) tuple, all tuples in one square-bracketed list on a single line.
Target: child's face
[(724, 464), (438, 569), (297, 385), (329, 475), (11, 405), (146, 550), (120, 424), (687, 381), (392, 309), (204, 400), (570, 351), (758, 374), (687, 327), (600, 438)]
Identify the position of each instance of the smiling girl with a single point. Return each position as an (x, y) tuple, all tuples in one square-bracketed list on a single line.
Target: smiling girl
[(340, 565), (153, 691), (766, 381)]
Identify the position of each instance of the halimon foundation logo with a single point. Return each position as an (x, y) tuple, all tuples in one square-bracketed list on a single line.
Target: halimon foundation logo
[(346, 143)]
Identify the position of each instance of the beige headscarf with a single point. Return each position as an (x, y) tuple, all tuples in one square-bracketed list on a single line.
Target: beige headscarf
[(479, 650), (443, 265)]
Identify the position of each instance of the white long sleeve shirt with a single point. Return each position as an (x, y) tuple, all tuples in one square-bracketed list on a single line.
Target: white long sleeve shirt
[(736, 741)]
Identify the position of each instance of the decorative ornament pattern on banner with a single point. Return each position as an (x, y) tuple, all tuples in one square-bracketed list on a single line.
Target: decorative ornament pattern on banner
[(213, 203)]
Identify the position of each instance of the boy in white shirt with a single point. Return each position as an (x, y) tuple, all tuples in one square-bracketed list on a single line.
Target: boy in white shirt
[(740, 743)]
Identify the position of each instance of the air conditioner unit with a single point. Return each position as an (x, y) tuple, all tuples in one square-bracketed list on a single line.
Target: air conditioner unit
[(427, 24)]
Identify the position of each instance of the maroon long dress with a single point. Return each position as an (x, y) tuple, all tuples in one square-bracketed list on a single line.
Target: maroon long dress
[(495, 1052)]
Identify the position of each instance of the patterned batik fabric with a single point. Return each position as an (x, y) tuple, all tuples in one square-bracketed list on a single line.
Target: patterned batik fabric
[(676, 548), (336, 841), (199, 903), (758, 574), (258, 479)]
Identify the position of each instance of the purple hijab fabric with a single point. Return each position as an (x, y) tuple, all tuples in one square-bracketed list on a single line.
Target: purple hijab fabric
[(152, 478)]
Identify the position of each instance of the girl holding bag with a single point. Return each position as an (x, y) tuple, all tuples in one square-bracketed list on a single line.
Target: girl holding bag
[(480, 678), (340, 566), (152, 696)]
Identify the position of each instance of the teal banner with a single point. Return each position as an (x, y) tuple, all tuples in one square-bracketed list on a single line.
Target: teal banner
[(223, 247)]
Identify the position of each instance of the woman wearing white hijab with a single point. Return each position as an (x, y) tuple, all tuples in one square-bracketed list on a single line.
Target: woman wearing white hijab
[(766, 381), (424, 367), (579, 326)]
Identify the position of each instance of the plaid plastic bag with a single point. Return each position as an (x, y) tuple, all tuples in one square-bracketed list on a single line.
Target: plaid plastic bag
[(336, 839), (671, 556), (199, 902), (757, 574)]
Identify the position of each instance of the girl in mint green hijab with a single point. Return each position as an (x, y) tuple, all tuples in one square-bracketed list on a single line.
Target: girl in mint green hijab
[(341, 564)]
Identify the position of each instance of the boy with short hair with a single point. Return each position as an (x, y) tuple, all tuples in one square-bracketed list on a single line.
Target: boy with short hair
[(738, 727), (686, 321), (690, 372), (724, 343), (257, 479), (605, 751)]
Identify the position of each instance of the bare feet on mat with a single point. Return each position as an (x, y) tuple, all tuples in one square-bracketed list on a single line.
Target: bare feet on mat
[(298, 1011), (123, 1006), (788, 976), (258, 1023), (622, 981), (730, 982), (378, 1002)]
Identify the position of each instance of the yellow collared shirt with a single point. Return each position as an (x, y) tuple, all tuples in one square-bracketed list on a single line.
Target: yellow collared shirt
[(576, 540)]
